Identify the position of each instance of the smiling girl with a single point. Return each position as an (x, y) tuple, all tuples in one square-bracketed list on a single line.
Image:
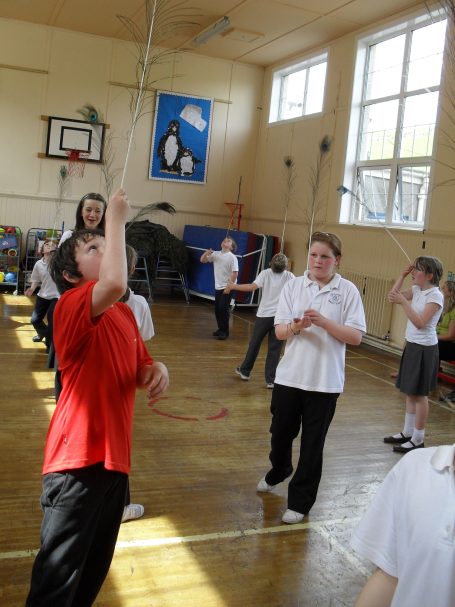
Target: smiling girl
[(417, 377), (90, 214), (317, 315)]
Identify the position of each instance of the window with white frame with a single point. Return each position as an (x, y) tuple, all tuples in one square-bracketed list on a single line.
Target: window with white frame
[(393, 118), (298, 89)]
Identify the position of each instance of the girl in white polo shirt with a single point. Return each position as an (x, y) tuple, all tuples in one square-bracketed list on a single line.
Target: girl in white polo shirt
[(317, 315), (417, 377)]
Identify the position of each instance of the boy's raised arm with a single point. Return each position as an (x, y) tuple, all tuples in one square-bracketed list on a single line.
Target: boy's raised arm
[(113, 276)]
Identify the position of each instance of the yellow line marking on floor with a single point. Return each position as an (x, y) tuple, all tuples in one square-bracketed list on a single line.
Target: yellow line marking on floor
[(205, 537)]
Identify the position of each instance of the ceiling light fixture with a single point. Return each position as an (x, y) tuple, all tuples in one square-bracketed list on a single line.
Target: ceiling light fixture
[(213, 30)]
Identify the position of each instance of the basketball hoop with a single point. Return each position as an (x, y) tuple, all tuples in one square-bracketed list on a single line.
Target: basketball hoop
[(76, 163)]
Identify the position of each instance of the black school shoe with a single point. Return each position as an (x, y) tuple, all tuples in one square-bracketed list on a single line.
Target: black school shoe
[(401, 449), (397, 441), (222, 335)]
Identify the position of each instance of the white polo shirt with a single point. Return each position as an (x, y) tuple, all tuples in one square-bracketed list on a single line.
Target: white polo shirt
[(272, 284), (224, 263), (314, 360), (426, 336), (408, 529), (142, 314), (40, 273)]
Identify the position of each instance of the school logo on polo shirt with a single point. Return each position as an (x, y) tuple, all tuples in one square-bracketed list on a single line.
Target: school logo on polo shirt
[(335, 298)]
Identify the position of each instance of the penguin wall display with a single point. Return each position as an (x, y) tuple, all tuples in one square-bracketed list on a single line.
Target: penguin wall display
[(181, 136), (170, 147), (187, 162)]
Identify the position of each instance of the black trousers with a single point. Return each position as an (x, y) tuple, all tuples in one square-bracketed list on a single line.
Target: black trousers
[(291, 409), (222, 309), (82, 514), (43, 307), (263, 326)]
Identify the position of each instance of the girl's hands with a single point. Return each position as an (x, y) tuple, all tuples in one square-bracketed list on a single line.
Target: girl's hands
[(301, 323), (314, 317), (407, 270), (395, 296)]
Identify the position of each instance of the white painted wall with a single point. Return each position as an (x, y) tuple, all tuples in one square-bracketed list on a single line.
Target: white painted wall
[(77, 69)]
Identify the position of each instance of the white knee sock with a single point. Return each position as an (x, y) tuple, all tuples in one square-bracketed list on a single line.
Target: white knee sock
[(418, 436), (409, 424)]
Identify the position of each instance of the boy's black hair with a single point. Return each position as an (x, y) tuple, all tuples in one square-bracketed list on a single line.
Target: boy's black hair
[(430, 265), (90, 196), (65, 258)]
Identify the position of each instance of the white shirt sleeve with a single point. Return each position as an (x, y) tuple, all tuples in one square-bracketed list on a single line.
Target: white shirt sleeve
[(260, 279), (354, 314), (37, 272), (375, 537), (284, 313)]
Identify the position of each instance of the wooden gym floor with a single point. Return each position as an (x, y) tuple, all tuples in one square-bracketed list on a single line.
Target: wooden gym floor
[(207, 538)]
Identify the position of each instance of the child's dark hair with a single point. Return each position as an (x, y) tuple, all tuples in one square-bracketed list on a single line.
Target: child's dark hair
[(90, 196), (430, 265), (279, 263), (65, 258), (331, 240)]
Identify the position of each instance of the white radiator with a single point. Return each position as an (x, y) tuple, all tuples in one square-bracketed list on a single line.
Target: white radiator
[(378, 311)]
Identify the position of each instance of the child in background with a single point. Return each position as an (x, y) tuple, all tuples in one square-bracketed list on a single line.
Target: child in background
[(226, 269), (87, 454), (318, 314), (90, 214), (445, 330), (137, 303), (271, 282), (141, 311), (418, 372), (47, 297)]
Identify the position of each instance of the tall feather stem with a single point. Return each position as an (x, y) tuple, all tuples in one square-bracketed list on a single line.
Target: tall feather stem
[(289, 165), (315, 180), (139, 95)]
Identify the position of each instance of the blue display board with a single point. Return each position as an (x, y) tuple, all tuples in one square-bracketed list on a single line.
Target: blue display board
[(200, 238)]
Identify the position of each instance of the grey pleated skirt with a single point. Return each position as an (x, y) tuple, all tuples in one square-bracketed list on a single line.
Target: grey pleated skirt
[(418, 374)]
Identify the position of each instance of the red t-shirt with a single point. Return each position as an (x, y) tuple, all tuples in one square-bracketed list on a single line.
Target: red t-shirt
[(99, 359)]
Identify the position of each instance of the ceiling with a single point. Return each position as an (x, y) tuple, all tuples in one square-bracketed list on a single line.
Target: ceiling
[(261, 32)]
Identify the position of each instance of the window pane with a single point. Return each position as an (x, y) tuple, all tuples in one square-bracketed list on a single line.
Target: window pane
[(374, 188), (411, 195), (385, 66), (418, 125), (425, 62), (315, 93), (378, 130), (293, 93)]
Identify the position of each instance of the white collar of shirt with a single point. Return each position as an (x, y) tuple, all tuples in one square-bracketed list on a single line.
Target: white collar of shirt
[(443, 458), (333, 284)]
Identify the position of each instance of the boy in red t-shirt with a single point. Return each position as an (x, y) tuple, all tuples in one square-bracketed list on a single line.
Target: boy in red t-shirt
[(102, 359)]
